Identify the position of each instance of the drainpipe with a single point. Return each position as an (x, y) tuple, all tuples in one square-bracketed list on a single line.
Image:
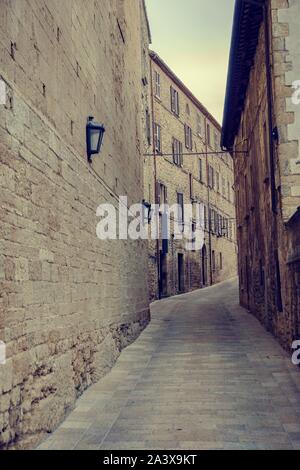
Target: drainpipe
[(155, 176)]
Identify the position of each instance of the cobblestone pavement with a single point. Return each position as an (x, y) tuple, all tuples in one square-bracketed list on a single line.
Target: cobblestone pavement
[(204, 375)]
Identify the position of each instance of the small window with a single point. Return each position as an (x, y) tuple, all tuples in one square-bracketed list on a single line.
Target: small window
[(216, 223), (157, 136), (177, 152), (157, 84), (188, 137), (211, 177), (187, 109), (174, 101), (221, 261), (180, 208), (163, 195)]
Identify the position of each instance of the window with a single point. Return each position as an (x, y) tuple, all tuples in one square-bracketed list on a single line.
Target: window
[(208, 134), (148, 126), (199, 125), (201, 171), (216, 223), (220, 225), (221, 261), (211, 177), (187, 109), (157, 137), (188, 137), (157, 85), (174, 101), (226, 227), (162, 193), (180, 208), (177, 152)]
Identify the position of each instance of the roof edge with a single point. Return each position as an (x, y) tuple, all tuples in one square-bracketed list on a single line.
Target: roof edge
[(147, 21), (159, 61), (247, 19)]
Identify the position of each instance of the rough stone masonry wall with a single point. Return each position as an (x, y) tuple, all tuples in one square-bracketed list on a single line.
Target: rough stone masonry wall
[(286, 63), (68, 302), (286, 43), (261, 233)]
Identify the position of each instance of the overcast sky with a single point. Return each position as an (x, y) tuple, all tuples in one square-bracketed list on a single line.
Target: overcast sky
[(193, 38)]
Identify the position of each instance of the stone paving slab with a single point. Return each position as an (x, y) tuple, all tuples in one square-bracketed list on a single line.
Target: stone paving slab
[(203, 375)]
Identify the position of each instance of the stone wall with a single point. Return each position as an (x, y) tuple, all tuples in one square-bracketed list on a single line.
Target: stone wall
[(162, 170), (69, 302), (268, 236)]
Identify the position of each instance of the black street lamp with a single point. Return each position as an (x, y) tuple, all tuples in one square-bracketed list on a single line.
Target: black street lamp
[(94, 137)]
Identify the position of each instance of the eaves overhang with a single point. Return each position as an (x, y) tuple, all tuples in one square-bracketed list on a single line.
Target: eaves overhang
[(166, 69), (248, 17)]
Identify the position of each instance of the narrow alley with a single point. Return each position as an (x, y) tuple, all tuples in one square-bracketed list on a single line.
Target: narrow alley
[(203, 375)]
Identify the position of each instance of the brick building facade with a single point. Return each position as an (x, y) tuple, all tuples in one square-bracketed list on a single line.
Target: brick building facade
[(179, 124), (69, 302), (262, 119)]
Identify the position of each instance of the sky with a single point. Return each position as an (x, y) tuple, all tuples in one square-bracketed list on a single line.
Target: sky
[(193, 38)]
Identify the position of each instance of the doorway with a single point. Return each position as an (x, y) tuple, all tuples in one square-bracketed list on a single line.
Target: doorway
[(204, 265), (180, 272), (163, 278)]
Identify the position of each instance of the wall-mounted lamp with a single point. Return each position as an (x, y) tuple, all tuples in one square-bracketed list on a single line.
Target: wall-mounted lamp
[(147, 209), (94, 137), (275, 134)]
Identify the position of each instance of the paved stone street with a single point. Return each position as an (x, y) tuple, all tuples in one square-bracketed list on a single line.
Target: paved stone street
[(203, 375)]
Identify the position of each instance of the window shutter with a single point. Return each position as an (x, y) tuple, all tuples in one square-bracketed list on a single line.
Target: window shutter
[(180, 154), (173, 150)]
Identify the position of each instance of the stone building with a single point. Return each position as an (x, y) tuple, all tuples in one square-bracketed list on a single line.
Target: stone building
[(179, 125), (69, 302), (262, 119)]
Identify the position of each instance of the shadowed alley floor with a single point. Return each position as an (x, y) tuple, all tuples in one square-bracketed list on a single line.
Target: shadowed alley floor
[(203, 375)]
